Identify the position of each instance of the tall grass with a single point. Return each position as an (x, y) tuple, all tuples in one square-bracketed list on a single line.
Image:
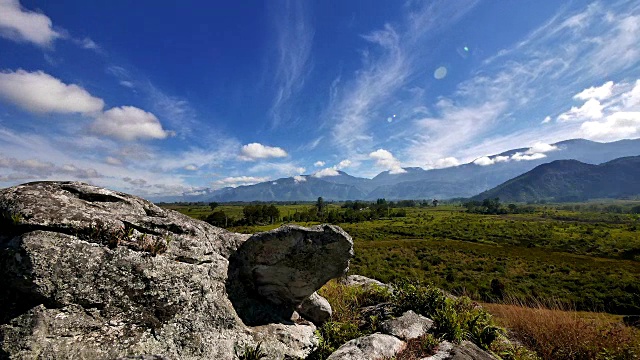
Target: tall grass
[(555, 332)]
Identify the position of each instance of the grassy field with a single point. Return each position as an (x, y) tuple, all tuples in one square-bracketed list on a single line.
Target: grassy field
[(586, 258)]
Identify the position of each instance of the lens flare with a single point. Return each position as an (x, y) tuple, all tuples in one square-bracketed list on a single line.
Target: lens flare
[(440, 73)]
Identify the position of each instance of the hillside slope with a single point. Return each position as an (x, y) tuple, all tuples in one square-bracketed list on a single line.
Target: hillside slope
[(572, 180)]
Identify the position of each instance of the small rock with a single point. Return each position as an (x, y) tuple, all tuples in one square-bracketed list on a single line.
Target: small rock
[(359, 280), (315, 308), (467, 350), (443, 352), (408, 326), (375, 346)]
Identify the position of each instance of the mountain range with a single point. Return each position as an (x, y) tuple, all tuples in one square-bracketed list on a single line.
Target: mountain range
[(571, 180), (464, 180)]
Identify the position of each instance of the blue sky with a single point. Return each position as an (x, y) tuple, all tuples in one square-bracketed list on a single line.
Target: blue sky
[(162, 99)]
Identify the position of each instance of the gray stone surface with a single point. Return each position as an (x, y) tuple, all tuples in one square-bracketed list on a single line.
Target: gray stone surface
[(315, 308), (408, 326), (359, 280), (372, 347), (467, 350), (92, 273), (442, 353)]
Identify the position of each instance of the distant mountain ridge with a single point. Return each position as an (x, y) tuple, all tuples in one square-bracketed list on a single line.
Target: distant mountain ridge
[(464, 180), (571, 180)]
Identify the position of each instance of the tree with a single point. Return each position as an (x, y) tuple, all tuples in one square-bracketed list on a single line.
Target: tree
[(213, 205), (217, 218), (320, 205), (435, 202)]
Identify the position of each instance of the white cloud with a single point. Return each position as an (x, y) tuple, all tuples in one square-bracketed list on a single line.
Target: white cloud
[(87, 43), (234, 181), (255, 151), (592, 109), (319, 163), (128, 123), (277, 169), (541, 147), (484, 161), (191, 167), (299, 178), (19, 24), (326, 172), (113, 161), (600, 92), (526, 157), (632, 98), (619, 125), (127, 84), (385, 159), (343, 164), (443, 163), (35, 169), (39, 92), (546, 120)]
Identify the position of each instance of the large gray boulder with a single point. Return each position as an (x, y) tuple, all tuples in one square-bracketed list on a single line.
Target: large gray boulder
[(372, 347), (285, 266), (91, 273)]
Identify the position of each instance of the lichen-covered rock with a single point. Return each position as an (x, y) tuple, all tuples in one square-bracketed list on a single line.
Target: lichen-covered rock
[(467, 350), (371, 347), (443, 352), (285, 266), (315, 308), (87, 272), (408, 326), (359, 280)]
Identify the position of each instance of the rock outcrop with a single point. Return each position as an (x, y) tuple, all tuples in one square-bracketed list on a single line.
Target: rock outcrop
[(87, 272), (285, 266), (374, 346), (408, 326)]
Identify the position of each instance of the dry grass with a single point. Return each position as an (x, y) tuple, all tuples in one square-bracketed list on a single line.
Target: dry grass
[(557, 333), (419, 348)]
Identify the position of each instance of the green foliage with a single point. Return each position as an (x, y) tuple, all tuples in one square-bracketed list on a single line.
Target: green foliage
[(425, 300), (585, 254), (248, 352), (217, 218)]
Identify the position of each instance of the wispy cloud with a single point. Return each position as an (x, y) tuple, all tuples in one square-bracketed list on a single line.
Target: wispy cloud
[(294, 40), (393, 55), (574, 50)]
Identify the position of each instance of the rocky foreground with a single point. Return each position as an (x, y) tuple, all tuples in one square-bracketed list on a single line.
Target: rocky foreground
[(90, 273)]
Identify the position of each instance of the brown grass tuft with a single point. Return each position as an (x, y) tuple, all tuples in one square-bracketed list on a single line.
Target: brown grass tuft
[(554, 332)]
